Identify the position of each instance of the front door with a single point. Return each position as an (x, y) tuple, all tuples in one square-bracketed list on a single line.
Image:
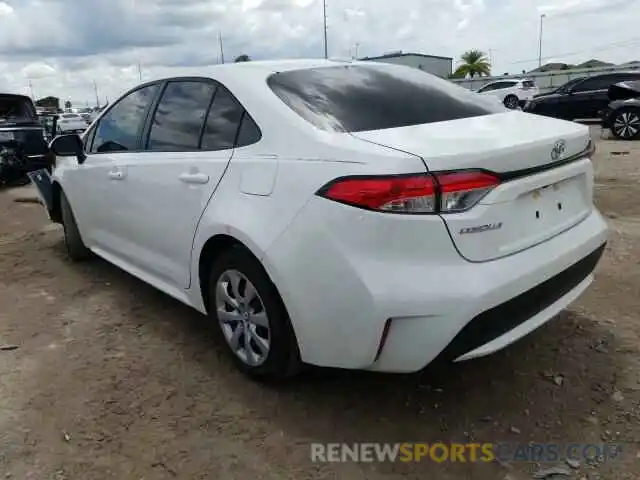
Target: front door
[(96, 188)]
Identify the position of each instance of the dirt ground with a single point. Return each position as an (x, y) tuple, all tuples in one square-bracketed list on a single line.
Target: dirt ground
[(114, 380)]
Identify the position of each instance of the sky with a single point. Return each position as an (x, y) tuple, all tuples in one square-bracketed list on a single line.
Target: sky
[(61, 47)]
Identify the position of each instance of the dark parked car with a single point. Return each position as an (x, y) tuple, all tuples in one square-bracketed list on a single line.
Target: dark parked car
[(23, 147), (580, 98), (622, 116)]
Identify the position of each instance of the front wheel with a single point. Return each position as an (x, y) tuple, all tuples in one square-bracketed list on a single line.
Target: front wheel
[(76, 248), (252, 318), (625, 124)]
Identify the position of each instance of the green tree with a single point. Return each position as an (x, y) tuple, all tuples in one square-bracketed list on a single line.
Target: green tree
[(67, 104), (475, 62), (243, 58)]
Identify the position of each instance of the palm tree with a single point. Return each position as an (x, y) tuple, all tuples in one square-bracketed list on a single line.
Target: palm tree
[(243, 58), (475, 62)]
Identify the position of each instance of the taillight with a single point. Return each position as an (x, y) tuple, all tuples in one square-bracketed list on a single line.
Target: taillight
[(447, 192), (406, 194), (459, 191)]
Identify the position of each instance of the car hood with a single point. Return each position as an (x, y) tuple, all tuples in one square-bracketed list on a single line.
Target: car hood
[(624, 90)]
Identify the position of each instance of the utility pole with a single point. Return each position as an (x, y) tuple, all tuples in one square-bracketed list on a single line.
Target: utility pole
[(31, 90), (95, 89), (491, 57), (324, 14), (540, 42), (140, 71), (357, 48), (221, 48)]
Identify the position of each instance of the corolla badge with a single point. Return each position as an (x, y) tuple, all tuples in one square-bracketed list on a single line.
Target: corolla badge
[(481, 228), (558, 150)]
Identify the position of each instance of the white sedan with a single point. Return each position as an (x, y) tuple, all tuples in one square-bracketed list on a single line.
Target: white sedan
[(343, 214), (71, 123)]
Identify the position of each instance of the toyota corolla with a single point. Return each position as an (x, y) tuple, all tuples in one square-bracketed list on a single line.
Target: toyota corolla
[(343, 214)]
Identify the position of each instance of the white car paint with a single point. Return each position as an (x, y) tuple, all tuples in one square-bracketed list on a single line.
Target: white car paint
[(523, 89), (71, 122), (364, 289)]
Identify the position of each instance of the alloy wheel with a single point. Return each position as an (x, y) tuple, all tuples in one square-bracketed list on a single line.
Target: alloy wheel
[(511, 102), (627, 124), (243, 318)]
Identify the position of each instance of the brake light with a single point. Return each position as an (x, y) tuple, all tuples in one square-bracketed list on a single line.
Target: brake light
[(407, 194), (448, 192), (460, 191)]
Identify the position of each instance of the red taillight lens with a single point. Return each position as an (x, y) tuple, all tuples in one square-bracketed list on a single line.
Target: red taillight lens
[(437, 193), (408, 194), (460, 191)]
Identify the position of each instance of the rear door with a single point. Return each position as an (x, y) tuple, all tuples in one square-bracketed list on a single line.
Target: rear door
[(189, 142), (590, 96)]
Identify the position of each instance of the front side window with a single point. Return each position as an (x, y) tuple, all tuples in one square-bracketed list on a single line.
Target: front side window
[(488, 87), (355, 98), (119, 129), (180, 115), (223, 121), (595, 83)]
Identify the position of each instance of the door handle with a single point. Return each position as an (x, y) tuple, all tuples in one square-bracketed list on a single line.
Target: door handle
[(116, 175), (194, 178)]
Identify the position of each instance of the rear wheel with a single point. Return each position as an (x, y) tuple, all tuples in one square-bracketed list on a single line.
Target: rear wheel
[(76, 248), (625, 124), (251, 317), (511, 101)]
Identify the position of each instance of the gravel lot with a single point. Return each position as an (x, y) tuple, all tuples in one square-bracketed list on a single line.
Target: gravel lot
[(114, 380)]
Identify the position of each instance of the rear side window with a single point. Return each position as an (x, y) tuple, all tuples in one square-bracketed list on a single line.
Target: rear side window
[(355, 98), (249, 132), (223, 121), (180, 115)]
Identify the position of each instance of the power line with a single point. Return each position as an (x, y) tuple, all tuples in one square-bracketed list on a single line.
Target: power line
[(611, 46)]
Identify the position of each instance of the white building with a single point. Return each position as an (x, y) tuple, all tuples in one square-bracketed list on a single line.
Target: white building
[(440, 66)]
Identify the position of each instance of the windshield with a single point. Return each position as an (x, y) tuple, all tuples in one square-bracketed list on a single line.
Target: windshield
[(569, 84), (355, 98), (14, 108)]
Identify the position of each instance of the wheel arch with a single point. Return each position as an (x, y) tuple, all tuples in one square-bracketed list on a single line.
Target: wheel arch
[(56, 212), (213, 247)]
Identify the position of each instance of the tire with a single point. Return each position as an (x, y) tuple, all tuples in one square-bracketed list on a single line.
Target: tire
[(511, 102), (625, 123), (264, 315), (76, 248)]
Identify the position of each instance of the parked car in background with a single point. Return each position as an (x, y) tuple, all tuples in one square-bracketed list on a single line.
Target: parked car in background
[(318, 213), (582, 99), (561, 89), (71, 123), (622, 115), (512, 93), (23, 147)]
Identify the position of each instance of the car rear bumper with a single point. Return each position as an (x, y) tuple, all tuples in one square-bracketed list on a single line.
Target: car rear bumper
[(391, 312)]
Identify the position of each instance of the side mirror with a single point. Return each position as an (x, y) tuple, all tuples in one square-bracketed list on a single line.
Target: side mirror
[(68, 146)]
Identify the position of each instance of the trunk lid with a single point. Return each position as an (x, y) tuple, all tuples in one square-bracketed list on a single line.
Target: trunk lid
[(541, 195)]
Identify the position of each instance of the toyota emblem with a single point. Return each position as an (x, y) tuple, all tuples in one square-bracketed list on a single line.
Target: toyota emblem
[(558, 150)]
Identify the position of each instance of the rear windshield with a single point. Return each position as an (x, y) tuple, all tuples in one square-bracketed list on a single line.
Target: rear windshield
[(355, 98), (528, 84), (69, 115), (16, 109)]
